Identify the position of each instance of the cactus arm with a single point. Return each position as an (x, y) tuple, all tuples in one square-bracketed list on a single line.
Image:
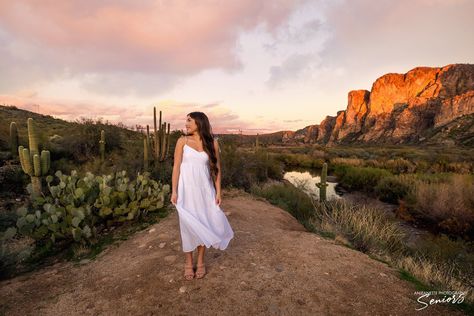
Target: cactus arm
[(20, 156), (13, 138), (27, 165), (45, 162), (37, 165), (32, 137)]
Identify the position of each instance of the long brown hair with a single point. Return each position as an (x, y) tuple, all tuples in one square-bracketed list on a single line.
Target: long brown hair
[(205, 130)]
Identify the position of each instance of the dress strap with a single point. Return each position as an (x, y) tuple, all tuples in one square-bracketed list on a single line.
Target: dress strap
[(186, 139)]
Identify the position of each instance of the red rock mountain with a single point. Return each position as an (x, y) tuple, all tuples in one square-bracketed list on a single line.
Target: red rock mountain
[(418, 106)]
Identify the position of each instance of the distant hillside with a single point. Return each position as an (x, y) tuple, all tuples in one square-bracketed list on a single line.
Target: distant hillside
[(423, 106), (47, 127)]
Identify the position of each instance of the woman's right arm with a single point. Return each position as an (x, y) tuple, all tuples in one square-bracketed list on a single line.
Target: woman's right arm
[(178, 157)]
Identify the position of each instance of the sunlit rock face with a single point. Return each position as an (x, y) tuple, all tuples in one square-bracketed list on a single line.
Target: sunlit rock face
[(399, 108)]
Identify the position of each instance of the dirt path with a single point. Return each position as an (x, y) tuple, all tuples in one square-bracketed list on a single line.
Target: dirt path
[(271, 267)]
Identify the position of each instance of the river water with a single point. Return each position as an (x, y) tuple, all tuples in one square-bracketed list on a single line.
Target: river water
[(306, 179)]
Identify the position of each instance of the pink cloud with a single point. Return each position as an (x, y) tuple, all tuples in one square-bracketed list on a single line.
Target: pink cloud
[(177, 37)]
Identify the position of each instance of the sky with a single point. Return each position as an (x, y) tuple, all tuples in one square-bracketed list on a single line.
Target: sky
[(250, 65)]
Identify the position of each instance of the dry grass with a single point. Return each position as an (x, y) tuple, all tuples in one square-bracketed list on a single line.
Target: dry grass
[(437, 263), (356, 162), (439, 275), (367, 228), (453, 199)]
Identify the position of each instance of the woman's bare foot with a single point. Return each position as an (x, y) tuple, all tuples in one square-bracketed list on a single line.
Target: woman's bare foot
[(188, 271), (200, 271)]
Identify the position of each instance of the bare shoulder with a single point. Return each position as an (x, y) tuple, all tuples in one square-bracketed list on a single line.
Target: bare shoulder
[(181, 139)]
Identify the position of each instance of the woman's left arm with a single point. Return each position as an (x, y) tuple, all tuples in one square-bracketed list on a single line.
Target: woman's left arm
[(218, 178)]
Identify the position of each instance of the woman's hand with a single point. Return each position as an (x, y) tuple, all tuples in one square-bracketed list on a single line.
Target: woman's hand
[(174, 198), (218, 198)]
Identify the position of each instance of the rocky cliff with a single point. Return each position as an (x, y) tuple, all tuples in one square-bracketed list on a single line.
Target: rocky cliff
[(401, 108)]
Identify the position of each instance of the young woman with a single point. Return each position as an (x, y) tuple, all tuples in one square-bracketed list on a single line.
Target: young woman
[(196, 193)]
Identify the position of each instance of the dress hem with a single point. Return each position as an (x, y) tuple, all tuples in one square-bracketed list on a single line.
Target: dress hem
[(222, 247)]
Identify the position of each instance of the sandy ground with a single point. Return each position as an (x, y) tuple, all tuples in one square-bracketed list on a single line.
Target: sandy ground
[(271, 267)]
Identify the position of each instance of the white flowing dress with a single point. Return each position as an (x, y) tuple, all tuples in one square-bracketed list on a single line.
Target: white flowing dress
[(201, 220)]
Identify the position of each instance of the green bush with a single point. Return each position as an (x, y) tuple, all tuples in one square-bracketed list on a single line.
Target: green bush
[(241, 169), (289, 198), (393, 188), (300, 160), (361, 179), (12, 179)]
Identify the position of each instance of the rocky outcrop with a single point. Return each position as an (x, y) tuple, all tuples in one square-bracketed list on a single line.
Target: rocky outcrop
[(400, 108), (325, 129), (288, 136), (309, 134)]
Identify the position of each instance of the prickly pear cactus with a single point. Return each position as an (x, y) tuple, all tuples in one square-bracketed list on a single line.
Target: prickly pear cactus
[(76, 206)]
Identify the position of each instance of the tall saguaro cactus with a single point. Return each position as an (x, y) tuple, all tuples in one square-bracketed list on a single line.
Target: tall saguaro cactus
[(161, 139), (33, 163), (13, 138), (156, 146), (102, 145), (168, 141), (148, 135), (145, 153), (323, 185)]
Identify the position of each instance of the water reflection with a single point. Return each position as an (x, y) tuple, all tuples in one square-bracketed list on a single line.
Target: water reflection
[(307, 183)]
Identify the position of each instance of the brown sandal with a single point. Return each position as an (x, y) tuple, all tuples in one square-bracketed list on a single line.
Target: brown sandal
[(200, 271), (188, 272)]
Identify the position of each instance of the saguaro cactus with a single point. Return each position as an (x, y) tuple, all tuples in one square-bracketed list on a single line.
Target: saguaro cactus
[(161, 141), (168, 141), (13, 138), (323, 185), (32, 163), (102, 145), (156, 145), (148, 135), (145, 153)]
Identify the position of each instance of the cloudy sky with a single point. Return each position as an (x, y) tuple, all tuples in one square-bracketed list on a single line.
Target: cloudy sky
[(259, 66)]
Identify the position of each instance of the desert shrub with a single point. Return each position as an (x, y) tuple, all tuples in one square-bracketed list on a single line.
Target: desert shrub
[(12, 179), (361, 179), (347, 161), (400, 165), (448, 201), (288, 197), (82, 142), (241, 169), (393, 188)]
